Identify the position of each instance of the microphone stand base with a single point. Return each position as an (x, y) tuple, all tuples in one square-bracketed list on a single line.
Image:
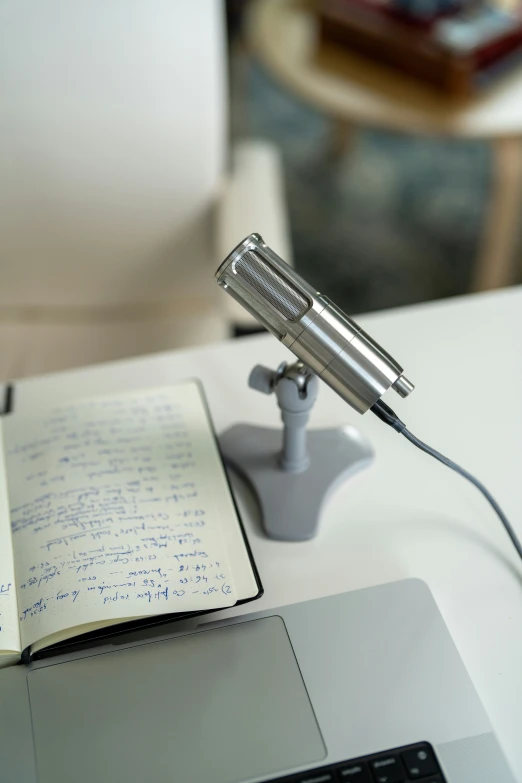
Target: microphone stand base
[(291, 503)]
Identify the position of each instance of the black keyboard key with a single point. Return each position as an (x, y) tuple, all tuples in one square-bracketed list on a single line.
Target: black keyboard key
[(390, 777), (420, 762), (401, 765), (388, 769), (354, 772), (317, 776)]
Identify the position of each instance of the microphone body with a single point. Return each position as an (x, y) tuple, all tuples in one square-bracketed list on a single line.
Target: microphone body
[(323, 337)]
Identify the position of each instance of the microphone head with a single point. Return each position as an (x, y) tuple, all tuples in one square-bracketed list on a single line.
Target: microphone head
[(310, 325), (258, 279)]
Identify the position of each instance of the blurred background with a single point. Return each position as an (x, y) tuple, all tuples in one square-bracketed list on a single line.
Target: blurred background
[(389, 220), (374, 143)]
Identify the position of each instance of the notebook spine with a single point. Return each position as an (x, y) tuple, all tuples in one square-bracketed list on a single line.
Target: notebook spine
[(8, 400)]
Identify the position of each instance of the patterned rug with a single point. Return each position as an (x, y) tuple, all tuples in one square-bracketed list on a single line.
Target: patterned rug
[(396, 220)]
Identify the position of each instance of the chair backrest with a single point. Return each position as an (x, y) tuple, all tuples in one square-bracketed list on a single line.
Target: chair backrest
[(112, 147)]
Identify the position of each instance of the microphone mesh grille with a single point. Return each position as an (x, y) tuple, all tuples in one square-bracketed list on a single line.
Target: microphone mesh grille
[(281, 294)]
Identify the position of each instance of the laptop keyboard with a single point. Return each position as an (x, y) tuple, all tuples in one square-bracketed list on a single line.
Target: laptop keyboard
[(402, 765)]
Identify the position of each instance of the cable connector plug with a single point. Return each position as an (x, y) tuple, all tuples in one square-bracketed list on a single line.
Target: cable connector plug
[(385, 414)]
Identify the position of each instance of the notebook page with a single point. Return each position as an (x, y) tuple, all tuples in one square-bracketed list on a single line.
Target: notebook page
[(115, 511), (9, 632)]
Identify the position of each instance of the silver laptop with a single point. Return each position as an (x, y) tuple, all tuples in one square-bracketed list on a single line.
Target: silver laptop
[(363, 687)]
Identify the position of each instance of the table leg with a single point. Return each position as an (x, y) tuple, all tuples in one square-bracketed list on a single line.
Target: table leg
[(496, 260)]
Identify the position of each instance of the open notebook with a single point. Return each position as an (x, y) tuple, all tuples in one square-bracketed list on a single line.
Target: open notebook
[(114, 509)]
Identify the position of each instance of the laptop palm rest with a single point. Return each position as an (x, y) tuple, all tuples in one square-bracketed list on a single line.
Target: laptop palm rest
[(224, 704)]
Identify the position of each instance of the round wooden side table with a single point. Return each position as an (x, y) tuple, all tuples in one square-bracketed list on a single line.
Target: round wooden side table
[(355, 93)]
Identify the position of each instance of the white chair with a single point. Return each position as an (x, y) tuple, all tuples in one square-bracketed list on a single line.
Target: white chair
[(118, 195)]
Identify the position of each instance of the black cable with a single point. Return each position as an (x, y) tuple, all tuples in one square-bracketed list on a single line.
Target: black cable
[(386, 414)]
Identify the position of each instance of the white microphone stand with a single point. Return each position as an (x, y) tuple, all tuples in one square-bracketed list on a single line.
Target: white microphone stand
[(292, 476)]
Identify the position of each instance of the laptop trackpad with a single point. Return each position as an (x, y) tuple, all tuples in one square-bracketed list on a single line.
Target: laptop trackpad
[(220, 705)]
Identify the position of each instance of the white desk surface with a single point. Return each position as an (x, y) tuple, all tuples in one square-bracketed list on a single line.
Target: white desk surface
[(406, 516)]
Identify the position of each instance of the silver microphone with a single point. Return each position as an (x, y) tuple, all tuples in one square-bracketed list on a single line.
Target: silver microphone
[(310, 325)]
